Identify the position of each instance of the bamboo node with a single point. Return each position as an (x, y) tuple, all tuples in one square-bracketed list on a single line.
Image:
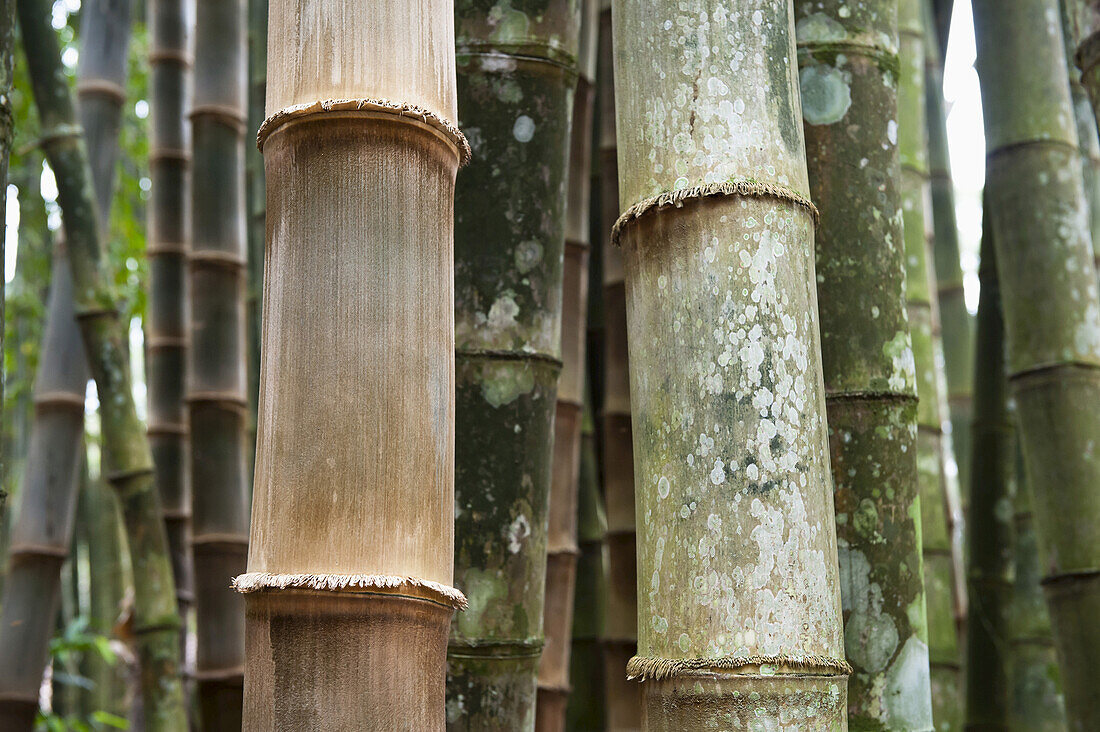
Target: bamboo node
[(256, 581), (448, 128), (744, 187), (652, 668), (101, 87)]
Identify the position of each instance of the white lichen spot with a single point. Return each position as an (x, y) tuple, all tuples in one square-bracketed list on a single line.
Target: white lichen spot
[(518, 531), (524, 128)]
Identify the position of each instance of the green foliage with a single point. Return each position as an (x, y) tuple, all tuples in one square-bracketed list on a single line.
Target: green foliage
[(74, 642)]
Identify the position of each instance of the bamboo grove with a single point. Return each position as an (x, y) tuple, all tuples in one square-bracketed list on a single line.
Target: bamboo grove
[(550, 365)]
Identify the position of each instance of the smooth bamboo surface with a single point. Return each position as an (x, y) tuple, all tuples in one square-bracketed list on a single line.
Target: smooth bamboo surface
[(1052, 316), (731, 458), (848, 63), (516, 78), (255, 205), (166, 249), (561, 540), (350, 559)]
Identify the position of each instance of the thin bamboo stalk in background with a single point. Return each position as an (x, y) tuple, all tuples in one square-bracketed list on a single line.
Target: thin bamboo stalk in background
[(1083, 17), (42, 530), (216, 359), (516, 77), (255, 206), (350, 560), (731, 449), (848, 61), (1087, 138), (624, 709), (939, 577), (561, 538), (587, 708), (956, 323), (127, 461), (989, 539), (166, 250), (7, 135), (1052, 315)]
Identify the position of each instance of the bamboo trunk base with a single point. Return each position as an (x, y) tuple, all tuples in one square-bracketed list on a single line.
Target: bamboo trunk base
[(345, 660), (491, 687), (746, 701), (624, 698)]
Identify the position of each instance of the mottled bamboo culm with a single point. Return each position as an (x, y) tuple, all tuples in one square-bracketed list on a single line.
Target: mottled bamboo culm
[(1052, 316), (216, 361), (848, 59), (624, 709), (956, 323), (731, 456), (516, 78), (990, 530), (939, 578), (562, 551), (127, 461), (166, 249), (349, 584)]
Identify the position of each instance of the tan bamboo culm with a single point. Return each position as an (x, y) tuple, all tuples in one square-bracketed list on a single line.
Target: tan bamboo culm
[(349, 596)]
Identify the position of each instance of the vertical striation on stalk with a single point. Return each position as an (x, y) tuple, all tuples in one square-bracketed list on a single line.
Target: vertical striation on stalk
[(739, 611), (255, 206), (1052, 316), (561, 539), (939, 579), (848, 57), (216, 361), (349, 595), (166, 250), (990, 571), (516, 77), (127, 461)]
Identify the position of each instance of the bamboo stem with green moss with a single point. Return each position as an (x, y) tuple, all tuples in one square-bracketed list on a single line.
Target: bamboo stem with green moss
[(990, 536), (1052, 316), (936, 537), (848, 59), (561, 542), (128, 464), (166, 250), (216, 360), (349, 595), (516, 78), (731, 457)]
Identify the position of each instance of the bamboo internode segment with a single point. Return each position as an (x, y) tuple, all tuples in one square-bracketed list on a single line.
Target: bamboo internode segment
[(349, 583), (737, 554), (849, 66), (169, 231), (1052, 314)]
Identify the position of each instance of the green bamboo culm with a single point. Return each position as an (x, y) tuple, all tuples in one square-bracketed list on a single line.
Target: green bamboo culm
[(561, 546), (587, 709), (936, 537), (731, 456), (1087, 138), (166, 250), (216, 368), (516, 77), (992, 490), (956, 323), (617, 464), (127, 461), (1052, 316), (848, 61)]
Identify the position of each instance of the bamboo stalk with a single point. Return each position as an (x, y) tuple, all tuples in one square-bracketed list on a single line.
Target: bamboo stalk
[(1052, 315), (561, 539), (255, 206), (43, 528), (849, 80), (731, 448), (216, 367), (957, 326), (1083, 17), (166, 250), (989, 539), (7, 136), (350, 560), (126, 454), (936, 537), (1087, 138), (516, 76), (624, 708)]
